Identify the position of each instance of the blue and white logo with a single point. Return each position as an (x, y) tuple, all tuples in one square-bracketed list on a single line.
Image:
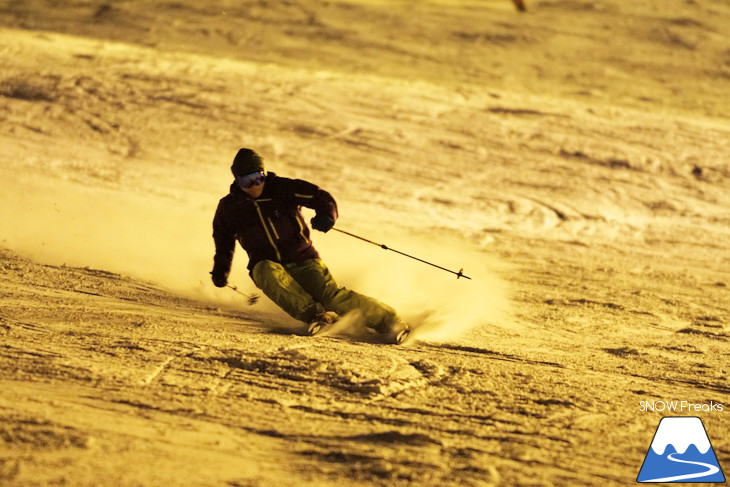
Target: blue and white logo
[(680, 452)]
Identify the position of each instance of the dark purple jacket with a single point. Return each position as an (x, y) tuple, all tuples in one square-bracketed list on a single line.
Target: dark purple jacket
[(270, 227)]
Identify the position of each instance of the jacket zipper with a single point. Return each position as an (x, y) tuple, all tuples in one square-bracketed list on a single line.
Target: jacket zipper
[(266, 230), (273, 228)]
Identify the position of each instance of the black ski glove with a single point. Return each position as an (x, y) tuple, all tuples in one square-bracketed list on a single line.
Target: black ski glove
[(219, 279), (323, 223)]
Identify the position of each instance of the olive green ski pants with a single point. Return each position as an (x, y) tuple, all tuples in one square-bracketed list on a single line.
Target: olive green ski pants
[(305, 289)]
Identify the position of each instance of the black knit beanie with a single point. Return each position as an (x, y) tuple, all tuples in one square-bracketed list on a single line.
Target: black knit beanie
[(246, 162)]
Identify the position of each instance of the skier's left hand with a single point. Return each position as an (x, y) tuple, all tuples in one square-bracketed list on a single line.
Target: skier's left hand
[(220, 279), (323, 223)]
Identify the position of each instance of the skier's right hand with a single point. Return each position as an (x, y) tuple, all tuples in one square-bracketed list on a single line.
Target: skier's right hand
[(219, 279)]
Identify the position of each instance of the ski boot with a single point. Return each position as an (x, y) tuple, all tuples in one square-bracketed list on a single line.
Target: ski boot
[(321, 323), (397, 333)]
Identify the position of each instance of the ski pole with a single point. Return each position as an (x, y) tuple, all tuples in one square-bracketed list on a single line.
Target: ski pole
[(383, 246), (252, 298)]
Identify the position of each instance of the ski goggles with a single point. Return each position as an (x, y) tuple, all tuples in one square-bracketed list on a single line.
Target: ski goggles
[(251, 180)]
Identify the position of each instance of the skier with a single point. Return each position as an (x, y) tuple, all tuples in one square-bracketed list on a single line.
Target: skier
[(263, 212)]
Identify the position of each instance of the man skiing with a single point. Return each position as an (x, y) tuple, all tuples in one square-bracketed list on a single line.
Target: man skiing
[(263, 212)]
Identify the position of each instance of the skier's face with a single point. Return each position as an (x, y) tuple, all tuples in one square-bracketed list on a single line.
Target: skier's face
[(252, 184), (254, 191)]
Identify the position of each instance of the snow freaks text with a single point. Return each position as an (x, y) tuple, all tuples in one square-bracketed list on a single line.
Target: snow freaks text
[(680, 407)]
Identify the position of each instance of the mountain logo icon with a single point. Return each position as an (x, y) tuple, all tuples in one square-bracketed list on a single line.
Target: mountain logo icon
[(681, 452)]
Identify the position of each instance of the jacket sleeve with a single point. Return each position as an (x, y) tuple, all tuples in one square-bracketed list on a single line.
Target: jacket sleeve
[(312, 196), (225, 242)]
